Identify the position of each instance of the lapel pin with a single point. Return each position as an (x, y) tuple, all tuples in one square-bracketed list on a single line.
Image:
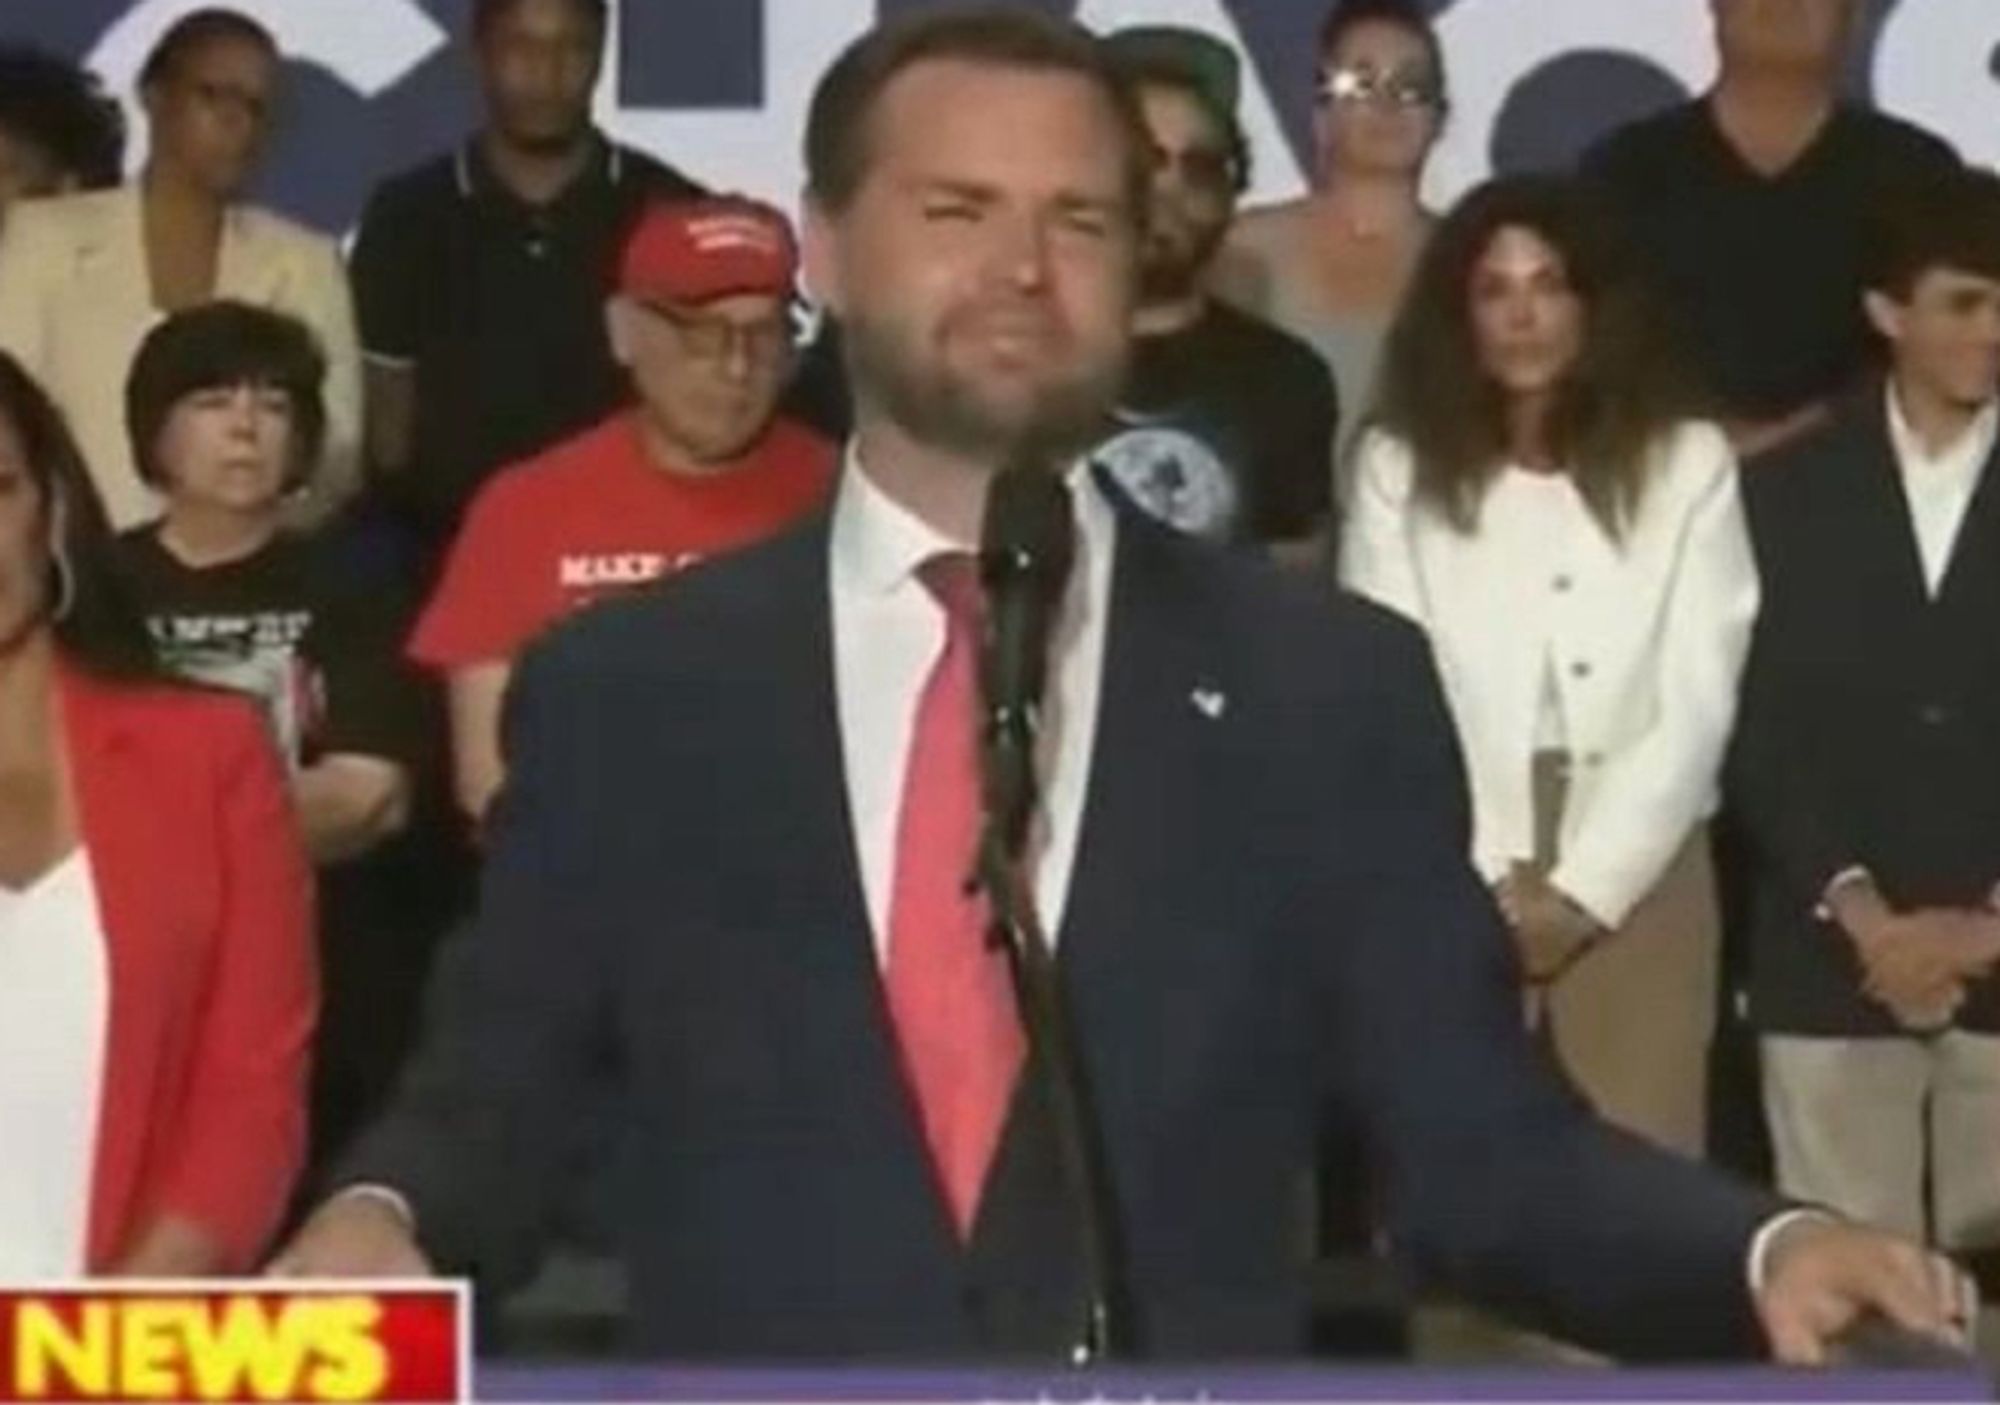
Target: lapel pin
[(1209, 702)]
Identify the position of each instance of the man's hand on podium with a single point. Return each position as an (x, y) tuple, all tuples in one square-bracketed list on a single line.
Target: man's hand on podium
[(1822, 1276), (360, 1233)]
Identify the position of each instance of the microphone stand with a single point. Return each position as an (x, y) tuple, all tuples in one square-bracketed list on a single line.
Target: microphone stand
[(1007, 758)]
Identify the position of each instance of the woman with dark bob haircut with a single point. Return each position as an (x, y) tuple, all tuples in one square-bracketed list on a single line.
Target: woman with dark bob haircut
[(157, 983), (225, 415), (1538, 492)]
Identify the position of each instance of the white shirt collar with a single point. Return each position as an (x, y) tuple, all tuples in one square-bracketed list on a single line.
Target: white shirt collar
[(887, 634), (877, 543), (1968, 452)]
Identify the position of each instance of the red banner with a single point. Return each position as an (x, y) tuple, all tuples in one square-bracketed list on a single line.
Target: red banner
[(243, 1342)]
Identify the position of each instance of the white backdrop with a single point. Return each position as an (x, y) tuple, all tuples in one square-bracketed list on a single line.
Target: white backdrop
[(384, 83)]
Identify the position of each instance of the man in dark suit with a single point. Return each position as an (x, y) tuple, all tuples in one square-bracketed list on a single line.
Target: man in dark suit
[(740, 808), (1868, 765)]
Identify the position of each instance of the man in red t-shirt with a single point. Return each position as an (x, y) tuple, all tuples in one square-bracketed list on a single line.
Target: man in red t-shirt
[(700, 319)]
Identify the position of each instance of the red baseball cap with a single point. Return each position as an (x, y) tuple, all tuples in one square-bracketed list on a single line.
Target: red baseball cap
[(700, 250)]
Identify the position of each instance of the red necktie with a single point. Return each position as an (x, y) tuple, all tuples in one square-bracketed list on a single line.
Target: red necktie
[(951, 995)]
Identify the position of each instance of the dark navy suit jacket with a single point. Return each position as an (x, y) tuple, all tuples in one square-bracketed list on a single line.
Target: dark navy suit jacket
[(1870, 727), (1271, 915)]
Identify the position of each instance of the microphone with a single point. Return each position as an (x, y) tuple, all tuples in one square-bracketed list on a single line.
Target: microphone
[(1026, 550)]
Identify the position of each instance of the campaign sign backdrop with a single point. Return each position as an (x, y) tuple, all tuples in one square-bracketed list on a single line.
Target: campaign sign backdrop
[(719, 87)]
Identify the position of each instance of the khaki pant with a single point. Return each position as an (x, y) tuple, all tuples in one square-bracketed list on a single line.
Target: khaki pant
[(1631, 1022), (1903, 1133)]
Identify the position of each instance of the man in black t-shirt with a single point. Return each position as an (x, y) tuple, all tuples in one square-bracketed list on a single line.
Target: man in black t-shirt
[(1754, 203), (1226, 426), (480, 276)]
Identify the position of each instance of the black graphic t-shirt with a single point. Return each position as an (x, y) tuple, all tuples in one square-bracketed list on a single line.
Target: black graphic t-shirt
[(320, 659), (1226, 431)]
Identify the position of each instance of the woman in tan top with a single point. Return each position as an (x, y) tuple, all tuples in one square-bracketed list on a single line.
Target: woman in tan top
[(84, 277), (1330, 267)]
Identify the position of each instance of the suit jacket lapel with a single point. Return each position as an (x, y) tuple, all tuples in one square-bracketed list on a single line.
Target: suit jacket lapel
[(1970, 559), (794, 632), (111, 253), (1163, 710), (1885, 524)]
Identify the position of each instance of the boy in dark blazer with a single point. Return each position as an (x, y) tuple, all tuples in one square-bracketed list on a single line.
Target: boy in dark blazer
[(1868, 758)]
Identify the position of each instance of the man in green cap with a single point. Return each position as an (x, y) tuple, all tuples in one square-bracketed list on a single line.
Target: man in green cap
[(1226, 423)]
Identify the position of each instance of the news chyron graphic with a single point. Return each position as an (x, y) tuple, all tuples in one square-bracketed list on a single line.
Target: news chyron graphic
[(252, 1342), (719, 87)]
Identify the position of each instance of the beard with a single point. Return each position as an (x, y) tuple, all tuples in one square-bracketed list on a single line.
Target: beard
[(943, 408), (1175, 259)]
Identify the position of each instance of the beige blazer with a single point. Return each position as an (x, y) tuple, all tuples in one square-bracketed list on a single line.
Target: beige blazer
[(76, 301)]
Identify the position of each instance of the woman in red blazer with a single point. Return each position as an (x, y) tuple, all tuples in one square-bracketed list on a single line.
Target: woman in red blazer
[(157, 984)]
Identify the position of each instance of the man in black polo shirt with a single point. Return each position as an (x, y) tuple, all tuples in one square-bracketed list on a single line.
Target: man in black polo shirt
[(480, 276), (1754, 203)]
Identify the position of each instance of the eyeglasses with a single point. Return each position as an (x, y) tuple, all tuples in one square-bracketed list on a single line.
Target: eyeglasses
[(1408, 89), (717, 338), (1203, 168)]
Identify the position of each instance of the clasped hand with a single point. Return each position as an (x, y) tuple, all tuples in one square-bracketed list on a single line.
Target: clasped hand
[(1551, 932)]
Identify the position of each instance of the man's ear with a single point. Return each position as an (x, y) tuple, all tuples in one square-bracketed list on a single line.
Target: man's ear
[(819, 261), (618, 314), (1885, 314)]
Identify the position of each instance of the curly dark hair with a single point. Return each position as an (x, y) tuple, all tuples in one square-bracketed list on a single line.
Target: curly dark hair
[(60, 109), (1630, 384), (101, 629)]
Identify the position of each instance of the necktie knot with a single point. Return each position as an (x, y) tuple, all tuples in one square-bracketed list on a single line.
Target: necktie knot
[(952, 578)]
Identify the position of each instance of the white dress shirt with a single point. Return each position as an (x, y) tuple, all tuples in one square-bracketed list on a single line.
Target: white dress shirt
[(1647, 633), (888, 631), (55, 1000), (1939, 487)]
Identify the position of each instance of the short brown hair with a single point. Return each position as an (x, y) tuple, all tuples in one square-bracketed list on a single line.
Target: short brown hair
[(837, 123), (1949, 220)]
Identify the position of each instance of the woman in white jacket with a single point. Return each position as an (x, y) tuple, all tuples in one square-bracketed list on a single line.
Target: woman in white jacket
[(1538, 495)]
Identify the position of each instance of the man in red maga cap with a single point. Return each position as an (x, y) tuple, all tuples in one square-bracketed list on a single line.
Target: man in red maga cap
[(698, 464)]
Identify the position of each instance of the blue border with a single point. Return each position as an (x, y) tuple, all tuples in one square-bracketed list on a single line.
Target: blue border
[(1251, 1385)]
